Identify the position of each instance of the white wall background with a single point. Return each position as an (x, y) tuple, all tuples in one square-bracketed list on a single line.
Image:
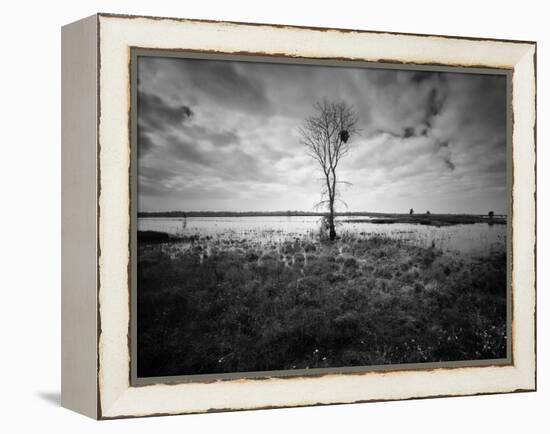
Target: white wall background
[(30, 216)]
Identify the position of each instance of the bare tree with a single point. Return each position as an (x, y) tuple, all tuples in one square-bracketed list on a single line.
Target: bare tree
[(327, 137)]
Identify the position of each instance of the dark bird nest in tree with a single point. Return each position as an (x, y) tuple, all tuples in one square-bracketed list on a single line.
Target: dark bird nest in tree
[(344, 136)]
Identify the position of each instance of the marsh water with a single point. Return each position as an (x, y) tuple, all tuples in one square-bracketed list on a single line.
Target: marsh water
[(477, 238)]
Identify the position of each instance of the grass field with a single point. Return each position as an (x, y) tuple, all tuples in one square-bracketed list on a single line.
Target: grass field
[(237, 307)]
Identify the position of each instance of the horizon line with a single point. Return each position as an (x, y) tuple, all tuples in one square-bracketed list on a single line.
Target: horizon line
[(314, 212)]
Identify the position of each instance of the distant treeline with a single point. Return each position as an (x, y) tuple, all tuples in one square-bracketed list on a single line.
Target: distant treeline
[(183, 214), (243, 214)]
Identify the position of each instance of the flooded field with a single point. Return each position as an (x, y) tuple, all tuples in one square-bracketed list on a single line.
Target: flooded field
[(477, 238), (238, 294)]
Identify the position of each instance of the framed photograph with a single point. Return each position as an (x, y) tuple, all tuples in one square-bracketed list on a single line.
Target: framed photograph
[(260, 216)]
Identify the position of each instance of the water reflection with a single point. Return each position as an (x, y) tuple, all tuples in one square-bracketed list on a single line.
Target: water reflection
[(477, 238)]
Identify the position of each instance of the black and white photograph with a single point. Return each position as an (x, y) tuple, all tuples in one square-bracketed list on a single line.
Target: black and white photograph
[(254, 217), (296, 217)]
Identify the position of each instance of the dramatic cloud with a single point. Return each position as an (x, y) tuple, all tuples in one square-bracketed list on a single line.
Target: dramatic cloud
[(220, 135), (155, 117)]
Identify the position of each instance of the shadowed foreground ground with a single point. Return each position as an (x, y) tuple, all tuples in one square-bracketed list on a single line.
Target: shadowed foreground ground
[(296, 305)]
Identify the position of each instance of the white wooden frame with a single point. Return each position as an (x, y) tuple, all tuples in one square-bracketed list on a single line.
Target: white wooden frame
[(96, 216)]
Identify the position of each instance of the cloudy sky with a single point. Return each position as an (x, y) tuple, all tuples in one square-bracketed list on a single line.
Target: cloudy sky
[(223, 136)]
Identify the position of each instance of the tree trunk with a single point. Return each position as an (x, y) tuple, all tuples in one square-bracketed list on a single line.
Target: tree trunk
[(332, 229), (332, 196)]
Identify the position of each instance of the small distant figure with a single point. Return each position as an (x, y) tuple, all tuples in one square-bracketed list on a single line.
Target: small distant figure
[(491, 215), (411, 212), (428, 212)]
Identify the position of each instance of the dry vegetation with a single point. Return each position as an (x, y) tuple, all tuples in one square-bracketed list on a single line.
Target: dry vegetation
[(234, 306)]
